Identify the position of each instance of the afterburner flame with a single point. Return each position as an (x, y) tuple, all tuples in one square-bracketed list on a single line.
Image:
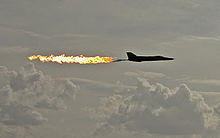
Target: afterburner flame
[(72, 59)]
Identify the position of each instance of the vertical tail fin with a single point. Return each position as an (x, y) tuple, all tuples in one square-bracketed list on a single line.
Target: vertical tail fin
[(131, 55)]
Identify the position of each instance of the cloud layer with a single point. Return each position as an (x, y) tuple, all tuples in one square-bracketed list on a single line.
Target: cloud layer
[(156, 109), (24, 93)]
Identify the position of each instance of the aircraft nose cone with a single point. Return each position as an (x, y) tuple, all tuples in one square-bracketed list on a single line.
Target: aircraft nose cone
[(169, 58)]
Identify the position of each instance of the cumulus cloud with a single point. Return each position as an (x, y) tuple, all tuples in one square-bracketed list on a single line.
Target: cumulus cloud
[(217, 108), (31, 87), (20, 115), (156, 109), (24, 93), (14, 132)]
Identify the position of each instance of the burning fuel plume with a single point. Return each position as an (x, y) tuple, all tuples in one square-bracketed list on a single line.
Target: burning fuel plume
[(73, 59)]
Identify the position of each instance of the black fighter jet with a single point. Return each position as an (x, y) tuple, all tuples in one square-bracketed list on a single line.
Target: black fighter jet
[(134, 58)]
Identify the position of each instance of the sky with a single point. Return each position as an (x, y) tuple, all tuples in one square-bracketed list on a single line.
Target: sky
[(171, 99)]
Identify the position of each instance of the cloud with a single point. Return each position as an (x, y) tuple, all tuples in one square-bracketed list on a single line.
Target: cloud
[(14, 49), (98, 86), (23, 32), (211, 38), (201, 84), (148, 75), (217, 108), (20, 115), (206, 82), (14, 132), (32, 87), (156, 109), (25, 93)]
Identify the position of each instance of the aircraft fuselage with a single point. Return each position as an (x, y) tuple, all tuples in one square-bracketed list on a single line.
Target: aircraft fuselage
[(133, 57)]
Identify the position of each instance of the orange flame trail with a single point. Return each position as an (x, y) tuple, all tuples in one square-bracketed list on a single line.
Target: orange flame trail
[(72, 59)]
